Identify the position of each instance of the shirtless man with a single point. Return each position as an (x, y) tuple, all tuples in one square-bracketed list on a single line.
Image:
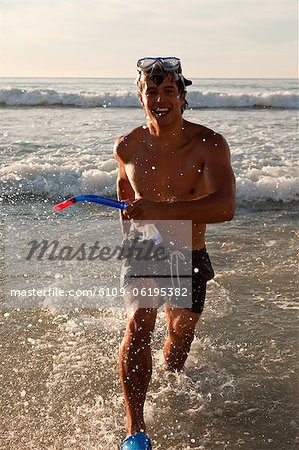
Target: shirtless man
[(205, 193)]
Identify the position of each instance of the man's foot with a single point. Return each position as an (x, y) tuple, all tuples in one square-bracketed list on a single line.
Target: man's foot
[(137, 441)]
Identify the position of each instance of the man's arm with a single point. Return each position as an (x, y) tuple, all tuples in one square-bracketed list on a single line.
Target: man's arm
[(218, 205), (124, 188)]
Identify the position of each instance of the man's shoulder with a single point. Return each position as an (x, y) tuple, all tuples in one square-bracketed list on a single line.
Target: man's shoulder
[(126, 143), (207, 136), (202, 132)]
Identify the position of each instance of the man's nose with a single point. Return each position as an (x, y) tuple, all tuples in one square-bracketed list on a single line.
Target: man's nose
[(160, 97)]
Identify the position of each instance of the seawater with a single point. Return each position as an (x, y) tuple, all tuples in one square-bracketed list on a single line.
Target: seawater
[(59, 379)]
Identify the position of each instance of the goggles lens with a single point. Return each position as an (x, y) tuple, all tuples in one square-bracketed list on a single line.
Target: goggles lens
[(169, 63)]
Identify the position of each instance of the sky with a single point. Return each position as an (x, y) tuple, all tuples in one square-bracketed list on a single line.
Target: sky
[(104, 38)]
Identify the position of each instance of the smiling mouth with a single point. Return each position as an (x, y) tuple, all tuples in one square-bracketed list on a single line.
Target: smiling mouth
[(161, 111)]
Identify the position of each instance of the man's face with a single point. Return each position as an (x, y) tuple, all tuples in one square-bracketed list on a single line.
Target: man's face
[(162, 104)]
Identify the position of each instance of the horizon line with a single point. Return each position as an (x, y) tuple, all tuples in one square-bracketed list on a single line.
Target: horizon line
[(132, 78)]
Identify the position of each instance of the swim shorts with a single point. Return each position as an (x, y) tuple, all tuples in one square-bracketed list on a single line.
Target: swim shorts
[(143, 268)]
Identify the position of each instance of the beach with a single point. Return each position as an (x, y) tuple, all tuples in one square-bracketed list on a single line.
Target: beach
[(59, 360)]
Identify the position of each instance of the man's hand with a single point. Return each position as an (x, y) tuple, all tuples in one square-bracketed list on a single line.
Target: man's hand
[(142, 209)]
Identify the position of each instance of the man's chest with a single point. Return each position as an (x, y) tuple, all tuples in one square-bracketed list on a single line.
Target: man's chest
[(168, 175)]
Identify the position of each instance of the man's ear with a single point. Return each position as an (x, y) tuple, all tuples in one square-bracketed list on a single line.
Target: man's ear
[(182, 96), (140, 99)]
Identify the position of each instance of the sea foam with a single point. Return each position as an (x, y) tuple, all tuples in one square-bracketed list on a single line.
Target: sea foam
[(54, 182), (127, 99)]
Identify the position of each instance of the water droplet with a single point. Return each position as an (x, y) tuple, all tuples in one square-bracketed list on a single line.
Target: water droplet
[(204, 140), (153, 167)]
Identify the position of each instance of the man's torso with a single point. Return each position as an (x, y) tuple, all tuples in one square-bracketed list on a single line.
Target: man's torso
[(169, 174)]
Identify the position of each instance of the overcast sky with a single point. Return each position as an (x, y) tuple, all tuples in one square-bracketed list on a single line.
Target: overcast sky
[(104, 38)]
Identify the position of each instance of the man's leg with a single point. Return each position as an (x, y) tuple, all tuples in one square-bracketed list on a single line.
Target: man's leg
[(135, 364), (180, 326)]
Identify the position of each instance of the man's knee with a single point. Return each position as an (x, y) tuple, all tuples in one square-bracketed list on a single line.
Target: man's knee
[(141, 324), (181, 328)]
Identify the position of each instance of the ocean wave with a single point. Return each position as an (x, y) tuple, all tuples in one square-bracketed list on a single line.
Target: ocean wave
[(53, 182), (126, 99), (282, 189)]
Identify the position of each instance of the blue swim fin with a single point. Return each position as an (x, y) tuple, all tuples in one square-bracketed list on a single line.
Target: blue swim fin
[(137, 441)]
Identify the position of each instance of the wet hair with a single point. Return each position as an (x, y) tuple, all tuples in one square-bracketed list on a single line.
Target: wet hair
[(158, 77)]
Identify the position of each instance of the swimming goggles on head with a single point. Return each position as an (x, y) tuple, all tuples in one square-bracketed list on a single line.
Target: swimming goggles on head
[(149, 65), (170, 63)]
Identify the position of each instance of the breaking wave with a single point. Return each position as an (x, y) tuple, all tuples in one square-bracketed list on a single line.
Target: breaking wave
[(127, 99)]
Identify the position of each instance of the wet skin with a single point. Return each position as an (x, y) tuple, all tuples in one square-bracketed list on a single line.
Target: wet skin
[(172, 170)]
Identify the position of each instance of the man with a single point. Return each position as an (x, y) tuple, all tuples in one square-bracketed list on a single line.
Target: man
[(192, 180)]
